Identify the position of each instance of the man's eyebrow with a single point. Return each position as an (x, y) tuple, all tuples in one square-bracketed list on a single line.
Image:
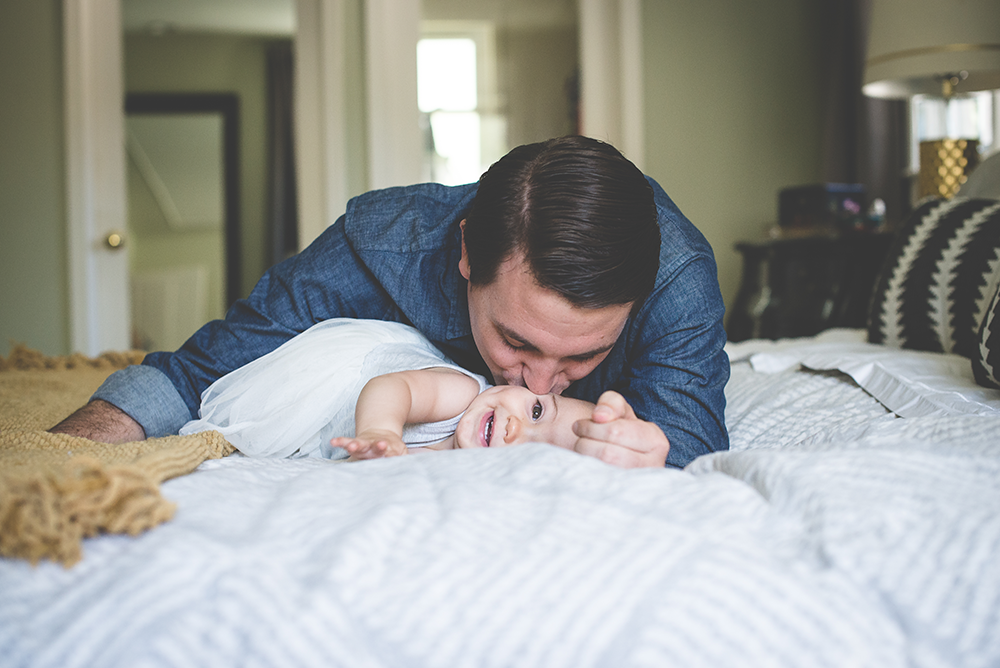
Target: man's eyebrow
[(593, 353), (514, 336), (528, 345)]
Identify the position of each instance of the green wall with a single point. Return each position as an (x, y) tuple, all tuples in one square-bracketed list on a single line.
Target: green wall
[(33, 276), (732, 112), (535, 67)]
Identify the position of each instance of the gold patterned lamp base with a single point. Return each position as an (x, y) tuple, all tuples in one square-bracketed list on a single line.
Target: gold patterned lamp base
[(945, 165)]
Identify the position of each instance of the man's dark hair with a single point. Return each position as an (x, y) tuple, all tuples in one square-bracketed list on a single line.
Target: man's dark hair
[(580, 213)]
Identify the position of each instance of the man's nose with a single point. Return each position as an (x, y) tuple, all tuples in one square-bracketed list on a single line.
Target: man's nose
[(541, 377)]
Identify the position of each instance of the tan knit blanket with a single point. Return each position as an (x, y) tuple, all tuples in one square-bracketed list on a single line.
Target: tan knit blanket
[(57, 489)]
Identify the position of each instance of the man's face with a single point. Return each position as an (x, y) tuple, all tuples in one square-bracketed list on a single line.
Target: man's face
[(533, 337)]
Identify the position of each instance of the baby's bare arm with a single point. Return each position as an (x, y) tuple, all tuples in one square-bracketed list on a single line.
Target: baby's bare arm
[(390, 401)]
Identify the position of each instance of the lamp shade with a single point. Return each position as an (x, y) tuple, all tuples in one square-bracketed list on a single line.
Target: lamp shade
[(914, 44)]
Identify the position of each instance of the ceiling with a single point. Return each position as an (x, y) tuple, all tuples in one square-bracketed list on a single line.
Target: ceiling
[(253, 17), (277, 17)]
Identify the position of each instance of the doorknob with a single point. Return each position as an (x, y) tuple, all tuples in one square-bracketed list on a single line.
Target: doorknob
[(115, 240)]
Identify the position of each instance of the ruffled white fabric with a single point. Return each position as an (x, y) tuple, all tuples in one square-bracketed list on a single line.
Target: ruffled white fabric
[(292, 401)]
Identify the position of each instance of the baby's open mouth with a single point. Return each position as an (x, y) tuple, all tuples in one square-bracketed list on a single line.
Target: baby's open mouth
[(488, 430)]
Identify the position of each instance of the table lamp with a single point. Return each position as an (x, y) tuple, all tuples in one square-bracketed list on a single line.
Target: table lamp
[(940, 48)]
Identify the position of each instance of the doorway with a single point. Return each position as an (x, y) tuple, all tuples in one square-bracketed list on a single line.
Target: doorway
[(183, 189)]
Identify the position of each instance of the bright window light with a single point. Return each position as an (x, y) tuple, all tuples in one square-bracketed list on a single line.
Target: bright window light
[(446, 75), (456, 143), (464, 129)]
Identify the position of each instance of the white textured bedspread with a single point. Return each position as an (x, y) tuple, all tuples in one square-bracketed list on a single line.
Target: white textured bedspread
[(875, 553), (834, 533)]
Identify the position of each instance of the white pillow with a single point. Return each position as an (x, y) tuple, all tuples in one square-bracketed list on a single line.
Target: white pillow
[(744, 350), (910, 383)]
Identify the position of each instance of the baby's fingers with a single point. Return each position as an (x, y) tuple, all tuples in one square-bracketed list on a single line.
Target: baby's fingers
[(352, 445), (361, 448), (341, 441), (369, 450)]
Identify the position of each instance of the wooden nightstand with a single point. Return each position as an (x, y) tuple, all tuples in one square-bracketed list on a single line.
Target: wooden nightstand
[(801, 286)]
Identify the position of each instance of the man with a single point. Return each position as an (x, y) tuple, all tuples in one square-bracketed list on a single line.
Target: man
[(563, 270)]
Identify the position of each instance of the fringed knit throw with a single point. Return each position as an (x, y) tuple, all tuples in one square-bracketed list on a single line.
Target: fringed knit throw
[(57, 489)]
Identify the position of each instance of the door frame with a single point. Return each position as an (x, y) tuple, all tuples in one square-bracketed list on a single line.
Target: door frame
[(99, 310)]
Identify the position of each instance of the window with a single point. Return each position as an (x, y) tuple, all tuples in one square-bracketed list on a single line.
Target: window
[(456, 92)]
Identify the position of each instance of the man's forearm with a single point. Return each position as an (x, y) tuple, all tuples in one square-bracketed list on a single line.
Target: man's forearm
[(103, 422)]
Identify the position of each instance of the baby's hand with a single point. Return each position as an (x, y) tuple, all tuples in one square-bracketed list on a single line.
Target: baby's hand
[(371, 445)]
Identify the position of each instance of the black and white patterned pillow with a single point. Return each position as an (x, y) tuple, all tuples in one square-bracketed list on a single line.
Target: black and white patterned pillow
[(986, 364), (939, 278)]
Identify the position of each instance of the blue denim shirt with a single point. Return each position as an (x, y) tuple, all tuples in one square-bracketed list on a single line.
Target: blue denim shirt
[(394, 255)]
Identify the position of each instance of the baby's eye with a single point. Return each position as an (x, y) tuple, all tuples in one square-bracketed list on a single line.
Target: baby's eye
[(536, 410)]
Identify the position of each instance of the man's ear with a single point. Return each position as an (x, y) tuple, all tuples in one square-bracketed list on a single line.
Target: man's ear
[(463, 264)]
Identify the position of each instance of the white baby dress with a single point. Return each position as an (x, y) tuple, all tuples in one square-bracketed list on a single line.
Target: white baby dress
[(292, 401)]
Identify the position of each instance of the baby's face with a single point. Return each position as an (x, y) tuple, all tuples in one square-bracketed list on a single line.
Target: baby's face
[(509, 415)]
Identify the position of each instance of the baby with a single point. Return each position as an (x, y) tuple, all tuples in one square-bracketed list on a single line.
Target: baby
[(496, 417), (385, 383)]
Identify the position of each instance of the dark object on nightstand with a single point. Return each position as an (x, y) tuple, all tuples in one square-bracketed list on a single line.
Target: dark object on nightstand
[(830, 206), (801, 286)]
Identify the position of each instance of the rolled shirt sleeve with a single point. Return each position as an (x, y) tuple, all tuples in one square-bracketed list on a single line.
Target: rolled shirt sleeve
[(147, 396)]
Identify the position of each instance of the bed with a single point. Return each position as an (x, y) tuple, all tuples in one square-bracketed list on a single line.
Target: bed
[(855, 521)]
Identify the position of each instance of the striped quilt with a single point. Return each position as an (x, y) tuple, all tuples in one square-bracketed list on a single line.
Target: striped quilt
[(871, 545)]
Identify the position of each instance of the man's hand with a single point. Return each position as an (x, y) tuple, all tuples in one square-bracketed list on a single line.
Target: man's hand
[(102, 422), (371, 445), (616, 436)]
